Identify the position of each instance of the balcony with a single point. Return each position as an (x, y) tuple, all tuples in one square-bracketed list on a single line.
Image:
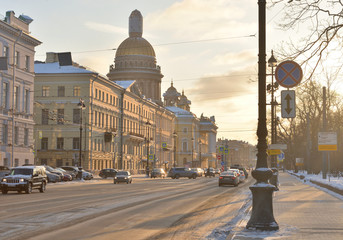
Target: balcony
[(131, 136)]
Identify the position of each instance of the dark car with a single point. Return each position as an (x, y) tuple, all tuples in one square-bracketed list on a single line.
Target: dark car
[(158, 172), (239, 167), (53, 177), (228, 178), (178, 172), (108, 172), (210, 172), (24, 178), (122, 176)]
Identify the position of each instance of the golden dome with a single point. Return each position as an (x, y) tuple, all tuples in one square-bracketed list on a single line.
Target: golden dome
[(135, 46)]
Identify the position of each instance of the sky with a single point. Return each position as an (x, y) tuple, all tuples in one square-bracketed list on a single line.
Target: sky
[(208, 48)]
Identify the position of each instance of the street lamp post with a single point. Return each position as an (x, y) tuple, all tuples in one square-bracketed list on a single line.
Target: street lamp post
[(82, 106), (147, 148), (262, 217), (200, 153), (174, 136), (192, 139), (272, 62)]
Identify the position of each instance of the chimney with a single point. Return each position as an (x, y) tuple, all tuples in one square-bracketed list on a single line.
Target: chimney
[(51, 57)]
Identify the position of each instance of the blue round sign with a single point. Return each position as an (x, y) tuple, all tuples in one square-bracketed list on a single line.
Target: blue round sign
[(288, 74)]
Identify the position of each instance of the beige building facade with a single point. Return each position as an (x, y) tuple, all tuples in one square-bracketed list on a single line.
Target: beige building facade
[(17, 50)]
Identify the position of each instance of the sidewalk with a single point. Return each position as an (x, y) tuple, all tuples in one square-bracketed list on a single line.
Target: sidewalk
[(302, 212)]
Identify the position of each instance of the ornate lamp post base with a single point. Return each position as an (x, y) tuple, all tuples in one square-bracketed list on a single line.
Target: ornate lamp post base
[(262, 217)]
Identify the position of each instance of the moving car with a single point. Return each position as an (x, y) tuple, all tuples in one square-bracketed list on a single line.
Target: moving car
[(241, 176), (107, 172), (210, 172), (177, 172), (199, 171), (228, 178), (239, 167), (122, 176), (24, 178), (158, 172)]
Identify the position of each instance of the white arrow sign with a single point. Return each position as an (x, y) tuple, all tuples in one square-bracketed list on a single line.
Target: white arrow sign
[(288, 104)]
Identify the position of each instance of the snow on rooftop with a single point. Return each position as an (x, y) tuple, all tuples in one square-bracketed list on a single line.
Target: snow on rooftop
[(125, 84), (56, 68)]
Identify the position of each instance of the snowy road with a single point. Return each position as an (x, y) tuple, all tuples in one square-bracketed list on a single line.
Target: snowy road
[(146, 209)]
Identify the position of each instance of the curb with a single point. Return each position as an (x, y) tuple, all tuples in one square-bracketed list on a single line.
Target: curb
[(331, 188)]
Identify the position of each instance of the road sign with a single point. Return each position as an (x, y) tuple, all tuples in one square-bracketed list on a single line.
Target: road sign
[(288, 104), (288, 74), (221, 149), (164, 145), (226, 150), (327, 141), (222, 163), (278, 146), (273, 151), (219, 157)]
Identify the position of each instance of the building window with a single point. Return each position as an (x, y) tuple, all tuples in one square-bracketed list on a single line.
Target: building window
[(184, 147), (4, 133), (17, 58), (27, 63), (60, 116), (26, 161), (76, 115), (95, 118), (185, 130), (106, 97), (45, 116), (103, 96), (16, 98), (60, 91), (77, 91), (45, 91), (16, 135), (44, 143), (76, 143), (27, 100), (5, 95), (16, 162), (60, 143), (6, 51), (96, 93), (26, 136)]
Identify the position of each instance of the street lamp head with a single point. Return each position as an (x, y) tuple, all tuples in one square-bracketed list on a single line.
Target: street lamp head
[(148, 123), (81, 104), (174, 134), (272, 62)]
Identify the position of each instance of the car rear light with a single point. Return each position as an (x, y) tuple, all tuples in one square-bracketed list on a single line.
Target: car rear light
[(233, 177), (220, 177)]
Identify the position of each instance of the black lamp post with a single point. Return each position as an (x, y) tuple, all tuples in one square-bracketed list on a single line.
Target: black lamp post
[(192, 139), (174, 136), (147, 147), (262, 217), (82, 106), (200, 153)]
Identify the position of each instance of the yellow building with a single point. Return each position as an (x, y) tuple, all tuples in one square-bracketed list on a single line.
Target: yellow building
[(17, 50)]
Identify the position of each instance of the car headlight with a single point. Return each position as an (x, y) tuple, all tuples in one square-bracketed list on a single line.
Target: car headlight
[(4, 180), (21, 180), (115, 177)]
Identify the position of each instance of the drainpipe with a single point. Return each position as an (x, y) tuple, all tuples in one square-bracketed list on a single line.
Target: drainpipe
[(13, 87), (121, 121), (91, 123)]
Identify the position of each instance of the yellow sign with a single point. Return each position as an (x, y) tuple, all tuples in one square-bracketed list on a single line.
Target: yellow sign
[(327, 147), (164, 145), (274, 151)]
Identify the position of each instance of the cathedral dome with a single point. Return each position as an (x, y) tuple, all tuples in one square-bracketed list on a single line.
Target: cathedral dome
[(135, 46)]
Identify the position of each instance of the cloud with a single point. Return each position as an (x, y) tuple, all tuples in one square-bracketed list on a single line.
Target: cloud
[(203, 19), (245, 57), (106, 28)]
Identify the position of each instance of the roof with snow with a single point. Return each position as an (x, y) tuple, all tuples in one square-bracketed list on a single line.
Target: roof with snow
[(180, 112), (125, 84), (56, 68)]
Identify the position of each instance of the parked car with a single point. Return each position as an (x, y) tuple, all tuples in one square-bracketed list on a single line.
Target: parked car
[(228, 178), (52, 177), (53, 170), (217, 171), (87, 175), (178, 172), (158, 172), (122, 176), (199, 171), (210, 172), (239, 167), (108, 172), (24, 178), (68, 176)]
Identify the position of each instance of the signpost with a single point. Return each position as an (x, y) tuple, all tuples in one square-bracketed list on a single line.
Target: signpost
[(327, 141), (288, 104), (288, 74)]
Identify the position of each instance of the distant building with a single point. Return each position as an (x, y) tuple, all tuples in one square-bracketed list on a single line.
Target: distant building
[(17, 50), (232, 152)]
